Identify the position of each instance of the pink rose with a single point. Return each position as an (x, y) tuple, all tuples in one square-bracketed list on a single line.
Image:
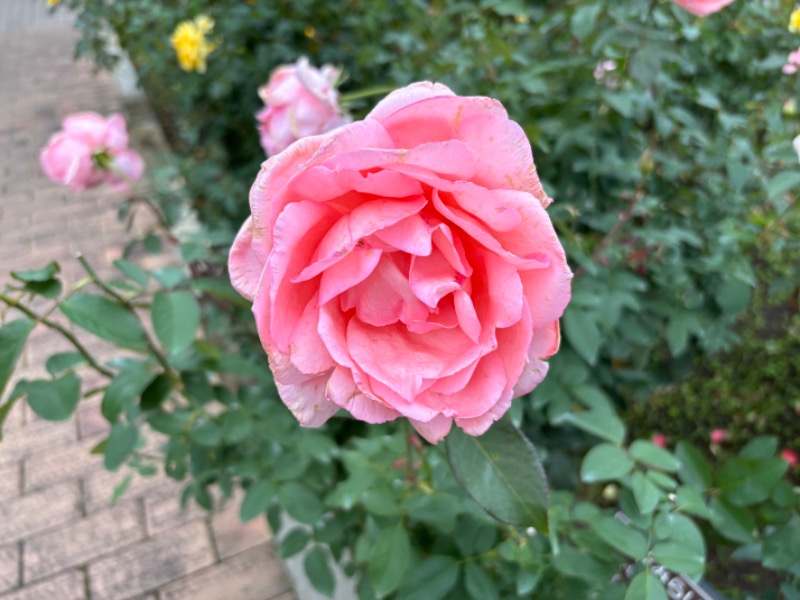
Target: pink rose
[(792, 62), (790, 456), (702, 8), (90, 150), (718, 436), (660, 440), (405, 266), (300, 101)]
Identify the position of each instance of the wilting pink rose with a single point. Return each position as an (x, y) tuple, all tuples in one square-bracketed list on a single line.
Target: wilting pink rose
[(89, 150), (718, 436), (301, 100), (405, 266), (660, 440), (702, 8), (790, 456)]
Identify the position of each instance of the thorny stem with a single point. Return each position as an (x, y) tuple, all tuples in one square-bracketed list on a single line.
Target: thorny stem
[(60, 329)]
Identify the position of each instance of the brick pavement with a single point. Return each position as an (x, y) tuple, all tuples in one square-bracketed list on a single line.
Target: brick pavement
[(59, 537)]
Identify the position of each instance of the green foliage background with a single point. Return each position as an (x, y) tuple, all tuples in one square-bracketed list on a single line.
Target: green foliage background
[(666, 172)]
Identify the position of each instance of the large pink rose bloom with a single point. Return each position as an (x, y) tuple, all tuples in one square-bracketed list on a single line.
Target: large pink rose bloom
[(300, 101), (90, 150), (405, 266), (702, 8)]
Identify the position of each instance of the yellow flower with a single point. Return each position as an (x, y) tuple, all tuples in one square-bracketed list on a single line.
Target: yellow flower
[(191, 46), (794, 21), (52, 2)]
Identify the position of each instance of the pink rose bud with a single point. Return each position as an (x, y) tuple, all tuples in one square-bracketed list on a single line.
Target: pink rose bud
[(300, 100), (90, 150), (790, 456), (718, 436), (660, 440), (702, 8), (405, 266)]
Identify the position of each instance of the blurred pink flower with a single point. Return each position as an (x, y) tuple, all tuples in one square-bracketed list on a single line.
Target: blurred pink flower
[(790, 456), (718, 436), (702, 8), (90, 150), (659, 439), (792, 62), (300, 100)]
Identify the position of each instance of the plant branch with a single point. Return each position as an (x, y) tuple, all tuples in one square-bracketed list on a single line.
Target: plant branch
[(60, 329)]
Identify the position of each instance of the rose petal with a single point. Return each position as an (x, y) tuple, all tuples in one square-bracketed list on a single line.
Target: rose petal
[(351, 270), (307, 351), (307, 401), (434, 430), (406, 96), (342, 391), (432, 277), (411, 235), (244, 266)]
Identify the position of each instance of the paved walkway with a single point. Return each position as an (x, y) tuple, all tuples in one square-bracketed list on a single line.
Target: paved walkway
[(59, 536)]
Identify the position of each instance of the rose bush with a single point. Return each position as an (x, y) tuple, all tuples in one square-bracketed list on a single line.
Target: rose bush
[(91, 150), (300, 100), (703, 8), (405, 265)]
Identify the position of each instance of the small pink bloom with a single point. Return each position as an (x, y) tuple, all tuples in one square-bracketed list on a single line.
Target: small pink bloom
[(90, 150), (659, 439), (300, 100), (718, 436), (790, 456), (792, 62), (404, 266), (702, 8)]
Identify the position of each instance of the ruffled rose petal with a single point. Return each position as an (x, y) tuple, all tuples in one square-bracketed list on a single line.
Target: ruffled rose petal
[(307, 350), (434, 430), (307, 401), (342, 391), (406, 96), (432, 277), (244, 266), (348, 272)]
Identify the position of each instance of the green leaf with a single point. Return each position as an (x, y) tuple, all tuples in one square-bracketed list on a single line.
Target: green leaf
[(319, 571), (478, 583), (782, 546), (430, 580), (56, 399), (605, 462), (647, 495), (582, 333), (694, 469), (646, 586), (683, 549), (624, 538), (236, 426), (603, 423), (782, 183), (37, 275), (583, 20), (649, 454), (301, 503), (691, 501), (733, 296), (732, 522), (206, 433), (121, 442), (762, 446), (502, 472), (294, 542), (124, 389), (176, 317), (62, 361), (170, 277), (156, 392), (256, 500), (133, 272), (13, 336), (746, 481), (389, 559), (105, 319)]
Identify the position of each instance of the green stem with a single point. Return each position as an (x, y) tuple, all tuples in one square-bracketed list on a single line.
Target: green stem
[(60, 329), (125, 302), (373, 91)]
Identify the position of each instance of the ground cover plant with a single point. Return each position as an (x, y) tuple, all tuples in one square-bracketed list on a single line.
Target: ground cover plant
[(663, 133)]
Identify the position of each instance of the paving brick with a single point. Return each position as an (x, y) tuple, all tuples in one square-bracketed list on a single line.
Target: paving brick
[(231, 536), (251, 575), (61, 464), (9, 567), (38, 511), (36, 436), (99, 486), (67, 586), (82, 541), (9, 481), (288, 595), (163, 509), (91, 421), (152, 563)]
